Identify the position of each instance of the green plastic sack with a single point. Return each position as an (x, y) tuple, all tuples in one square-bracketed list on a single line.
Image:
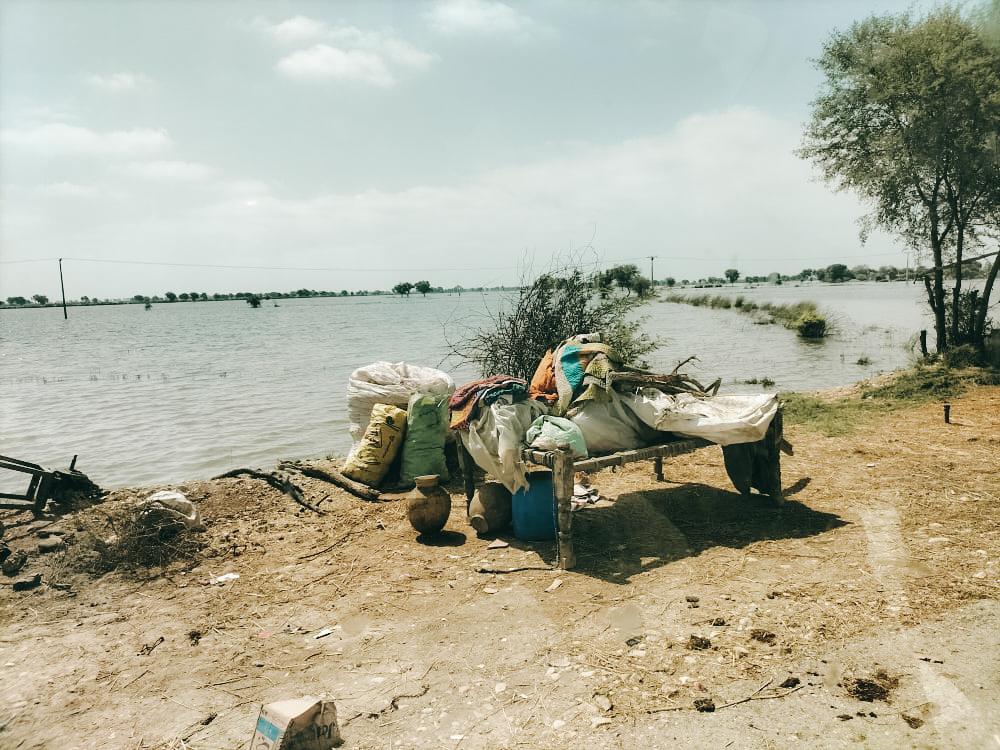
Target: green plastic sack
[(426, 432), (371, 458), (548, 433)]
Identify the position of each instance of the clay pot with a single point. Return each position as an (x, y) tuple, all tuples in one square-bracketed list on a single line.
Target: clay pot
[(490, 509), (429, 505)]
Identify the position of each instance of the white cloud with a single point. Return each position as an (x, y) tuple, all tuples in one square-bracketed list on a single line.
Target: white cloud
[(323, 61), (167, 171), (296, 30), (343, 52), (61, 139), (68, 190), (116, 83), (477, 17)]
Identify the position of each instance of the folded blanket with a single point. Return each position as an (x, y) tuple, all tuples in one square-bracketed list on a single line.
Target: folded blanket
[(464, 403), (577, 364)]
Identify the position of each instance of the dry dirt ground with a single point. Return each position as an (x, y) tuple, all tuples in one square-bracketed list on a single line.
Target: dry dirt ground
[(882, 566)]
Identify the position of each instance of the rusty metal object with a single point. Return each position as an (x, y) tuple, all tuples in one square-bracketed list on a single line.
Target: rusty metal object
[(59, 485)]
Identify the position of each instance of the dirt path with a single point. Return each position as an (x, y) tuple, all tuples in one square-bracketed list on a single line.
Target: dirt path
[(884, 558)]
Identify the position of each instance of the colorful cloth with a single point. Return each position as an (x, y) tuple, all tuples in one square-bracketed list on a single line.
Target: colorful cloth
[(543, 382), (464, 403), (579, 364)]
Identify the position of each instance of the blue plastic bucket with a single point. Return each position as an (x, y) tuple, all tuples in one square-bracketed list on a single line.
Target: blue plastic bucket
[(532, 510)]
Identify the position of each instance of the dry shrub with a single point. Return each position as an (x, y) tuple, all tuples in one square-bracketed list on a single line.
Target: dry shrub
[(132, 541)]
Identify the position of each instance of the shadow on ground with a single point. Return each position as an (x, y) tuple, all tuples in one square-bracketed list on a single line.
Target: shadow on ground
[(647, 529)]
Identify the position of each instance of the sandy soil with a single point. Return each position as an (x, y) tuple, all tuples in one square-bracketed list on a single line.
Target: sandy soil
[(885, 557)]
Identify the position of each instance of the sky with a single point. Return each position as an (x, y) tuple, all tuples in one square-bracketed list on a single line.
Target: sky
[(341, 145)]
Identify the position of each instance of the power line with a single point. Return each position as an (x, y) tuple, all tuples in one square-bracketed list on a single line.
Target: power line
[(347, 269)]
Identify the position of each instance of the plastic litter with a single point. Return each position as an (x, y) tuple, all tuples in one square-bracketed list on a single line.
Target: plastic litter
[(224, 578), (167, 505)]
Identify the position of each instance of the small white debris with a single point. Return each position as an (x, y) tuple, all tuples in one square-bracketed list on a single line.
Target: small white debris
[(603, 702), (224, 578), (490, 590), (558, 724), (599, 721), (497, 544), (499, 687), (554, 585), (323, 633)]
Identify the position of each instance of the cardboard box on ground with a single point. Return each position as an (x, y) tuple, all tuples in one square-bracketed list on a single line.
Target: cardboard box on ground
[(307, 723)]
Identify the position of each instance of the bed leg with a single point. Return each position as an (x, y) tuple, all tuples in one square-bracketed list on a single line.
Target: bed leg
[(562, 500), (658, 468)]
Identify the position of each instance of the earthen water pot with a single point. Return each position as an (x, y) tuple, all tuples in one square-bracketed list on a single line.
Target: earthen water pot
[(429, 505), (490, 509)]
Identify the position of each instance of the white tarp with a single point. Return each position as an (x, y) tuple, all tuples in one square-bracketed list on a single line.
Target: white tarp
[(724, 420), (609, 426), (389, 383), (495, 439)]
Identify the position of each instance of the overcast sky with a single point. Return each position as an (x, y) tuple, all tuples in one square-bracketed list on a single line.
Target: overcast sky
[(444, 140)]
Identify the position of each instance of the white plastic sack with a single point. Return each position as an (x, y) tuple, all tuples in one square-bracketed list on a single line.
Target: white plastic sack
[(389, 383), (495, 439), (724, 420), (609, 426), (548, 433), (171, 506)]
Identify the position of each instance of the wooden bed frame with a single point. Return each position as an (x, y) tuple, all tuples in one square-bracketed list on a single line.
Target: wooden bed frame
[(756, 465)]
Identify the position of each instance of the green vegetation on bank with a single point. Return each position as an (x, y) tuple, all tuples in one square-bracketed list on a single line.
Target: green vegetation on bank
[(803, 317), (922, 384)]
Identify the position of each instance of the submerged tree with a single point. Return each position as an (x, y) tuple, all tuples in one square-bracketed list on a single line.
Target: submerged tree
[(423, 287), (732, 275), (908, 117), (253, 300), (403, 289)]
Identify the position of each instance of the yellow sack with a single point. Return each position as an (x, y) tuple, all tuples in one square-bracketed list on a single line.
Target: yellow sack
[(371, 458)]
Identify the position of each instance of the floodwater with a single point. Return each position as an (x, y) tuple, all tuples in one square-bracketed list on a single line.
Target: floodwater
[(188, 390)]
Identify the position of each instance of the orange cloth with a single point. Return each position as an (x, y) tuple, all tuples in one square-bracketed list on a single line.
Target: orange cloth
[(543, 382)]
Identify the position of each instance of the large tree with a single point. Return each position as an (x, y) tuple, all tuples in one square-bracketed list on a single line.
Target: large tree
[(906, 117)]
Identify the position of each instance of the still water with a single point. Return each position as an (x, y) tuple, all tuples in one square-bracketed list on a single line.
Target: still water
[(187, 390)]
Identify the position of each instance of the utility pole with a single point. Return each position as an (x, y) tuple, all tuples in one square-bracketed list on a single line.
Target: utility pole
[(652, 279), (63, 287)]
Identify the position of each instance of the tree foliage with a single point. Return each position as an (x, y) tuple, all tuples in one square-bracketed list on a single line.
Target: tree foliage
[(40, 299), (908, 117), (553, 307), (732, 275), (423, 287), (403, 289)]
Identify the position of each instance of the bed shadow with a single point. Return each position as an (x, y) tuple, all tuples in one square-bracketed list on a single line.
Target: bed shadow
[(647, 529)]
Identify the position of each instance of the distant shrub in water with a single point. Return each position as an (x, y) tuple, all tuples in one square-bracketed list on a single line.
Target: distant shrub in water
[(738, 302), (811, 326), (718, 301), (863, 361)]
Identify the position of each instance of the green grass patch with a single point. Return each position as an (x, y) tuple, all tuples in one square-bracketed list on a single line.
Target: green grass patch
[(909, 388), (803, 317)]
